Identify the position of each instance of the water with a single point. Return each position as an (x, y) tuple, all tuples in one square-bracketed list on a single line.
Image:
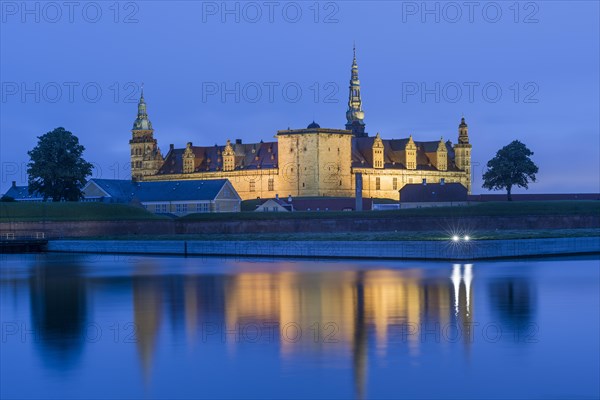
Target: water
[(89, 326)]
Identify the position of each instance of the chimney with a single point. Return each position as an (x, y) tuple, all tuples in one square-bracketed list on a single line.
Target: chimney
[(171, 146), (277, 196), (238, 141), (14, 183), (289, 198)]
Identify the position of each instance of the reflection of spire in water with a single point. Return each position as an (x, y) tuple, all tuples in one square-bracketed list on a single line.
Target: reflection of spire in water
[(359, 346)]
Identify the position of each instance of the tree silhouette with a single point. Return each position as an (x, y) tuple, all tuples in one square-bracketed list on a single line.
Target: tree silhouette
[(56, 169), (510, 167)]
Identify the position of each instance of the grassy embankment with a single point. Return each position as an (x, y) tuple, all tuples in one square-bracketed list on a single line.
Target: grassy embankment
[(13, 212), (71, 211), (488, 209)]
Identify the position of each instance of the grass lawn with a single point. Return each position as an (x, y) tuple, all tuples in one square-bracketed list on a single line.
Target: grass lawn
[(366, 236), (492, 209), (72, 211)]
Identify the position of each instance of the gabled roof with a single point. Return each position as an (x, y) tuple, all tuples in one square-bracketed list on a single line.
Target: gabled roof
[(119, 189), (187, 190), (272, 202), (394, 155), (22, 193), (251, 156)]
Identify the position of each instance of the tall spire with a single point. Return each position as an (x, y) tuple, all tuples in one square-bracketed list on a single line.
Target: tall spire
[(355, 115), (463, 131), (142, 122)]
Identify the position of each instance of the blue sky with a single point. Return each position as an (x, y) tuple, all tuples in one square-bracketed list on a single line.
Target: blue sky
[(422, 65)]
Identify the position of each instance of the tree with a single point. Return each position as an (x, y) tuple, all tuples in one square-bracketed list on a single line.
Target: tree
[(56, 168), (510, 167)]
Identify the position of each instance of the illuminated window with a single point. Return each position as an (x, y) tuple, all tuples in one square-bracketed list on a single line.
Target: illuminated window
[(271, 184), (395, 183), (252, 186), (377, 183)]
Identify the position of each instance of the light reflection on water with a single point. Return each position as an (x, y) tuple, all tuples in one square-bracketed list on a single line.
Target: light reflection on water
[(121, 326)]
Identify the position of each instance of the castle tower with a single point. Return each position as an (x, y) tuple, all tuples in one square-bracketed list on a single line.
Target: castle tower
[(410, 153), (355, 115), (441, 156), (377, 152), (462, 152), (146, 158), (228, 157), (189, 159)]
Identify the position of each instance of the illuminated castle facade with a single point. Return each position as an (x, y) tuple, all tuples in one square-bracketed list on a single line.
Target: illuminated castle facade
[(313, 161)]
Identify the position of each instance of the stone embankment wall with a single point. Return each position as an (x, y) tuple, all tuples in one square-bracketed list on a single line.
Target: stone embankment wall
[(75, 229), (446, 250)]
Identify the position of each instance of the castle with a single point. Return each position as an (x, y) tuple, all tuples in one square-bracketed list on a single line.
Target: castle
[(313, 161)]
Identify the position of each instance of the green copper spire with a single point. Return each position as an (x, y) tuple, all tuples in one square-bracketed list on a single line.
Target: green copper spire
[(142, 122), (355, 115)]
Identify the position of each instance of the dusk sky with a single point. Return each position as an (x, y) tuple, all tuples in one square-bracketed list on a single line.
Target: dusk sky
[(543, 57)]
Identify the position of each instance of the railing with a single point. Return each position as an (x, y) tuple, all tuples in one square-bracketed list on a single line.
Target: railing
[(22, 236)]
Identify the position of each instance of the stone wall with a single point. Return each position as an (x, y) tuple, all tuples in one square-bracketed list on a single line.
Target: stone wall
[(342, 249)]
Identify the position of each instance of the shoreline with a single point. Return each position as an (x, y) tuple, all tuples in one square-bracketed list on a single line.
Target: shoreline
[(415, 249)]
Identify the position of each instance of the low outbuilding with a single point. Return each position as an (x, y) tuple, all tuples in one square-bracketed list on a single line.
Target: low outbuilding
[(167, 197)]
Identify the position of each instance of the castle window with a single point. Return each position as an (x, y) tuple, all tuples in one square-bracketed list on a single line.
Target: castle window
[(202, 207), (132, 165), (395, 183), (252, 186), (271, 184), (302, 184), (377, 183)]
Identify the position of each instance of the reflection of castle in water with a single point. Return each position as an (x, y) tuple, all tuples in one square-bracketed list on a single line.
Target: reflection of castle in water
[(357, 313), (358, 303)]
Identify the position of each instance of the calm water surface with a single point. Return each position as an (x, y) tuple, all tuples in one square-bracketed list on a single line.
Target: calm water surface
[(90, 326)]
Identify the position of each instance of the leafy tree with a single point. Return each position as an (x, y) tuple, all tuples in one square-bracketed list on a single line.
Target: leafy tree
[(510, 167), (56, 168), (6, 199)]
